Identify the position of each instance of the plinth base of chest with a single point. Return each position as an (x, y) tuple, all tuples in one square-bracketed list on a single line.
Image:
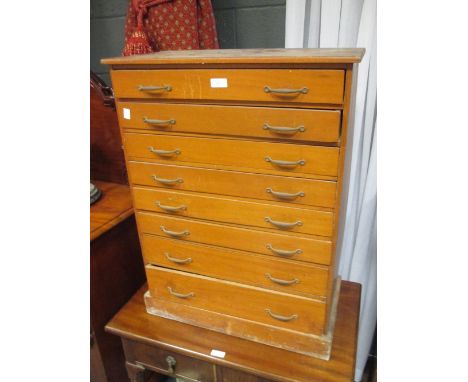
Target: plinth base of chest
[(299, 342)]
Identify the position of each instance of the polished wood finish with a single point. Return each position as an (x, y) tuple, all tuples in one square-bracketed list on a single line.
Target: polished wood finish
[(319, 125), (234, 210), (312, 249), (248, 154), (147, 336), (238, 266), (207, 180), (324, 86), (107, 157), (244, 56), (234, 183), (116, 272)]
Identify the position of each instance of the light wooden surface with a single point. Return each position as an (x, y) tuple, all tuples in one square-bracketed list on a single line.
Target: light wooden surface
[(232, 265), (245, 302), (319, 125), (235, 210), (313, 248), (238, 56), (234, 183), (137, 327), (245, 153), (114, 206)]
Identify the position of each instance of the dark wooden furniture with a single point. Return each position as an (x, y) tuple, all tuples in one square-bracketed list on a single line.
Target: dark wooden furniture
[(156, 346), (116, 267)]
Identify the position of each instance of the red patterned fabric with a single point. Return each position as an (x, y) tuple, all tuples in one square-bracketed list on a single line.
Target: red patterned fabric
[(154, 25)]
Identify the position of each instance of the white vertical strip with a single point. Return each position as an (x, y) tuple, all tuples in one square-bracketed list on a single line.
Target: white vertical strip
[(313, 40), (330, 23), (349, 23), (295, 16)]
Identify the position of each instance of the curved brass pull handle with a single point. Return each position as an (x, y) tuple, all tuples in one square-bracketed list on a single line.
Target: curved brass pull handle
[(283, 252), (285, 163), (167, 181), (303, 90), (174, 233), (159, 121), (180, 295), (166, 88), (281, 282), (281, 318), (285, 195), (188, 260), (164, 152), (284, 129), (182, 207), (171, 364), (283, 224)]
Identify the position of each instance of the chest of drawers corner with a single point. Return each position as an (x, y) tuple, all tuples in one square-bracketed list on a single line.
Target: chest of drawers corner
[(235, 159)]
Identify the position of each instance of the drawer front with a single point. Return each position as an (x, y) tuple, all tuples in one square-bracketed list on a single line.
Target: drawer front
[(237, 211), (169, 363), (257, 270), (233, 183), (283, 157), (270, 307), (280, 245), (258, 122), (260, 85)]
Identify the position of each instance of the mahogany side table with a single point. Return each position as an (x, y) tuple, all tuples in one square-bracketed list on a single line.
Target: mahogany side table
[(156, 347)]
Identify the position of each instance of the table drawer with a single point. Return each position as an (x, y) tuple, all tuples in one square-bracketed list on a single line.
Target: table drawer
[(300, 86), (169, 363), (270, 307), (290, 190), (235, 210), (257, 270), (277, 244), (257, 122), (283, 157)]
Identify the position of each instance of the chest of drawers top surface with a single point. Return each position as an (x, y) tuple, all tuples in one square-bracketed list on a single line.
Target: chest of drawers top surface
[(235, 161)]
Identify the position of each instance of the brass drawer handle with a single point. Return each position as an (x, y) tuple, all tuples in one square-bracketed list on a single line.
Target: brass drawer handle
[(281, 318), (180, 295), (285, 163), (174, 233), (281, 282), (182, 207), (285, 195), (283, 129), (159, 121), (164, 152), (283, 252), (303, 90), (188, 260), (166, 88), (171, 364), (283, 224), (167, 181)]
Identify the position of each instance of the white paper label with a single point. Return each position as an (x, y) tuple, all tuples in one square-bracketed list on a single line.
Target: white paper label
[(219, 82), (218, 353), (126, 113)]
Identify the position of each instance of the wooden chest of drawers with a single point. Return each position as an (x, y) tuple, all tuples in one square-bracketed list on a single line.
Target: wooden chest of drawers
[(235, 160)]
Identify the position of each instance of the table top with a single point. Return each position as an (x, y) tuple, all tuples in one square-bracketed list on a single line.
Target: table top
[(114, 206), (133, 322)]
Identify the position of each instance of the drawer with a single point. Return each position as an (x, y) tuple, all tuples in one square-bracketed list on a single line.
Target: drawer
[(167, 362), (290, 190), (283, 157), (256, 122), (269, 307), (257, 270), (277, 244), (258, 85), (235, 210)]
